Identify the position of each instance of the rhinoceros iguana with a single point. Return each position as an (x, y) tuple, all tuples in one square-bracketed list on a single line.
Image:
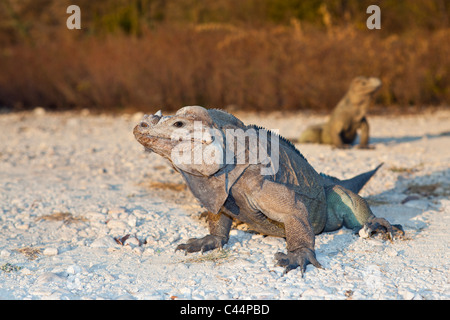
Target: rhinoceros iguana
[(347, 117), (253, 175)]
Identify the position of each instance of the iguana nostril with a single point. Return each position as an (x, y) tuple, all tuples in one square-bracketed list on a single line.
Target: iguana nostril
[(144, 125)]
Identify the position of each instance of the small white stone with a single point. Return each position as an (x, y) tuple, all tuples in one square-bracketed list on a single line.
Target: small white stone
[(316, 293), (50, 251), (149, 251), (132, 241), (391, 252), (140, 213), (5, 253), (26, 271), (48, 277), (186, 292), (104, 242), (407, 295), (363, 233), (116, 224), (115, 212), (73, 269), (132, 221), (22, 226), (417, 297)]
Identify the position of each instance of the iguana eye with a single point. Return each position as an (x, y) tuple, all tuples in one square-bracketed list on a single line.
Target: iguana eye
[(178, 124)]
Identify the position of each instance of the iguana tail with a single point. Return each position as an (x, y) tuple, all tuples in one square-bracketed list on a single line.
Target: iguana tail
[(312, 134), (354, 184)]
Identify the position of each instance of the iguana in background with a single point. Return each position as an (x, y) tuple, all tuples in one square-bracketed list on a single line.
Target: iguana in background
[(291, 201), (347, 117)]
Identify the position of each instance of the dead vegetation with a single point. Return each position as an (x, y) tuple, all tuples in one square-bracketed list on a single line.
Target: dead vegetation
[(65, 217), (216, 256), (251, 54), (403, 170), (250, 68), (164, 186), (29, 252), (429, 190)]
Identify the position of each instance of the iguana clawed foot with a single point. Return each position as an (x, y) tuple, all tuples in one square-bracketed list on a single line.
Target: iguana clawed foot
[(209, 242), (297, 258), (380, 225)]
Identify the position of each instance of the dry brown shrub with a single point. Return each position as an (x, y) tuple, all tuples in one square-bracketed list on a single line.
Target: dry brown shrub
[(266, 68)]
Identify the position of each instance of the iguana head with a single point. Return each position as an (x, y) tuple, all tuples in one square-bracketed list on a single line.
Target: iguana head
[(362, 86), (210, 148), (189, 139)]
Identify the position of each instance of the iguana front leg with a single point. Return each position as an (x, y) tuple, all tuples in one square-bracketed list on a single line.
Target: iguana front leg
[(300, 253), (364, 140), (280, 203), (219, 228), (334, 132)]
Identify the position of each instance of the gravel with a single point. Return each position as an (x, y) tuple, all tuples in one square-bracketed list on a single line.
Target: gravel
[(85, 213)]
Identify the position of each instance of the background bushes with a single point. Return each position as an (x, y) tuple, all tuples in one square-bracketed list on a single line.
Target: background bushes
[(249, 54)]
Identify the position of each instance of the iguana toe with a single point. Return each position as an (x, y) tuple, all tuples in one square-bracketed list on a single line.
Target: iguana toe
[(297, 258), (207, 243), (381, 226)]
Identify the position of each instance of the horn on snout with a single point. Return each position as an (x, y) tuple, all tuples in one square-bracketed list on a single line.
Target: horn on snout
[(153, 118)]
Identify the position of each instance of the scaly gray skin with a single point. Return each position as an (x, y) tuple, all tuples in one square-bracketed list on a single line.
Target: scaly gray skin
[(348, 116), (295, 202)]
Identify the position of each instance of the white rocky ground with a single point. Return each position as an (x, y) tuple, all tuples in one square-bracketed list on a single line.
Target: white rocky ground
[(70, 184)]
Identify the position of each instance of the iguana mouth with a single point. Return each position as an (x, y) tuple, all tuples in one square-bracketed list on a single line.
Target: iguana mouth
[(148, 136), (180, 139)]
